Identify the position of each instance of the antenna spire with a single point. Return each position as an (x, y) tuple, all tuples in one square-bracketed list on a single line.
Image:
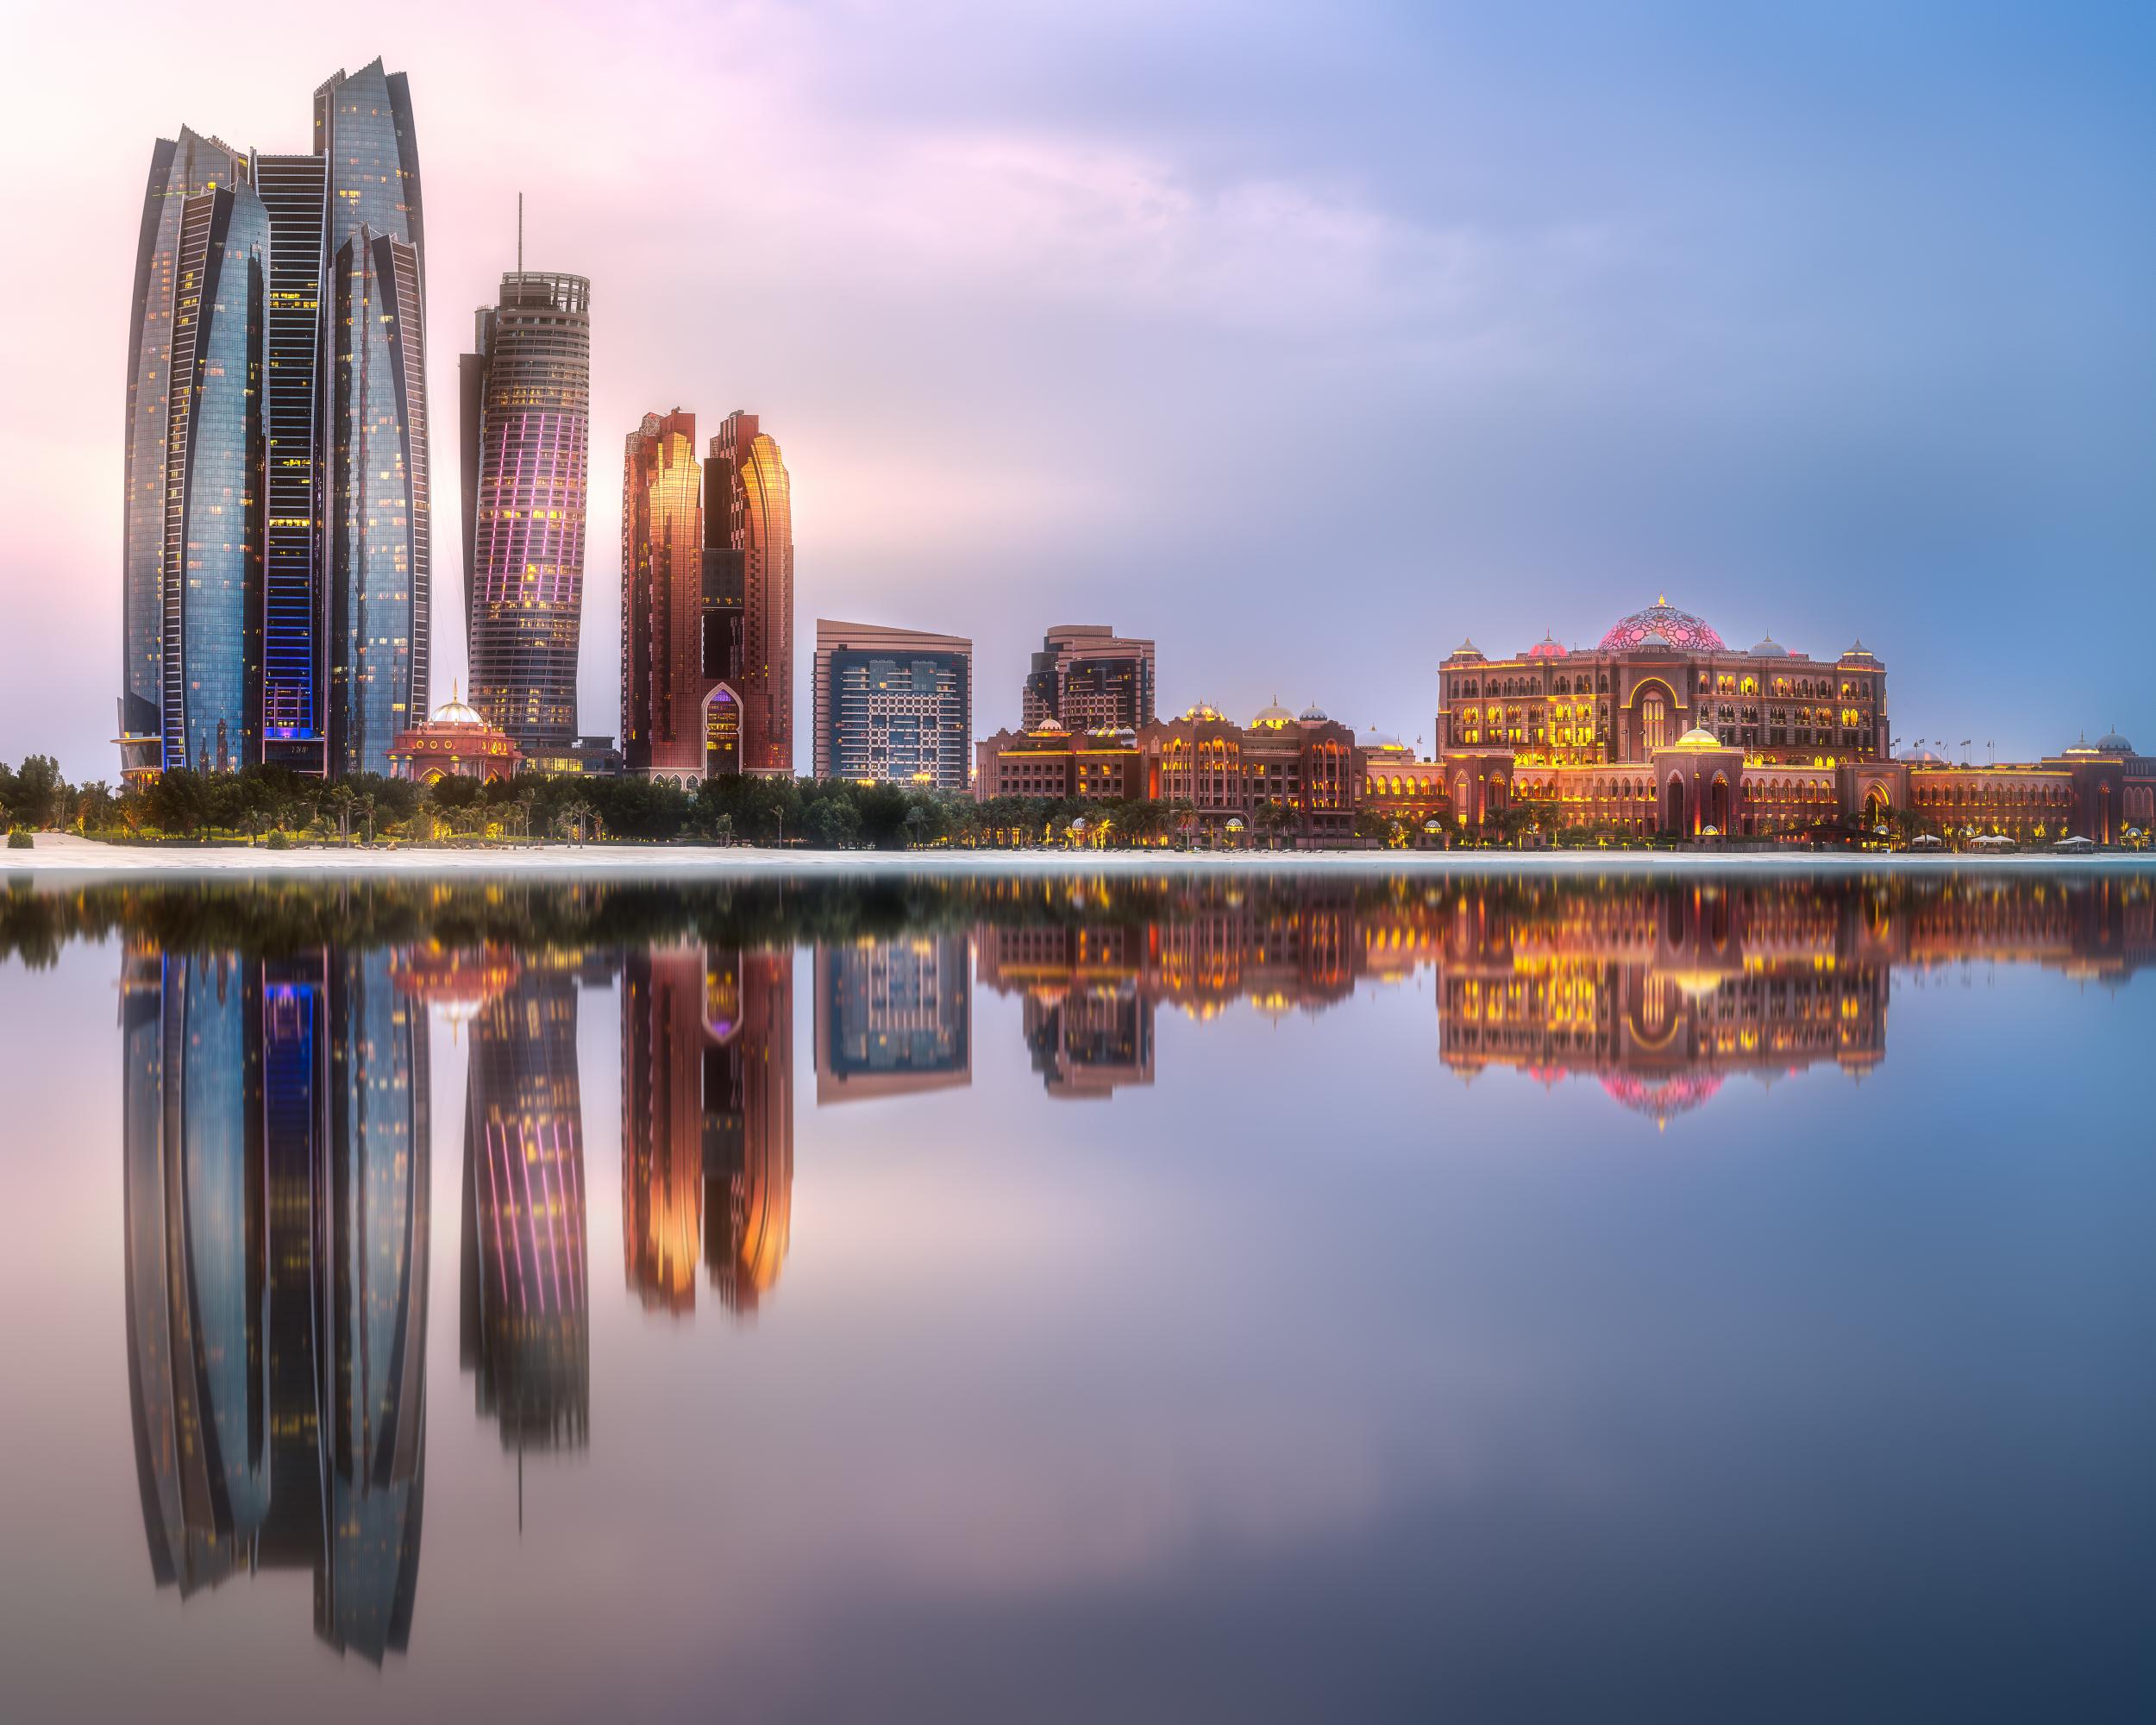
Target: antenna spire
[(520, 232)]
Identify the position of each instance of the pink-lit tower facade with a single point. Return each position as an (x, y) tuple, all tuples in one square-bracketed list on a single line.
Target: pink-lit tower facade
[(664, 679), (525, 398), (749, 525)]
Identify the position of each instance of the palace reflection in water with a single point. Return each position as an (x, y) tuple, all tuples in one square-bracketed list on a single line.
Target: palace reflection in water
[(277, 1132)]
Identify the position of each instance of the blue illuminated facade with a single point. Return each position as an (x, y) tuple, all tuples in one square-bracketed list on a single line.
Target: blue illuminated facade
[(379, 543), (276, 557), (276, 1187), (180, 169), (294, 190)]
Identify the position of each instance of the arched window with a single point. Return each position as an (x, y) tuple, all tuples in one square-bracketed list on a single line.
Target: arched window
[(1654, 721)]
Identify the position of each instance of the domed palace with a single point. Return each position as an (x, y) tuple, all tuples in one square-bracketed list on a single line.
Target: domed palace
[(457, 743), (1663, 727)]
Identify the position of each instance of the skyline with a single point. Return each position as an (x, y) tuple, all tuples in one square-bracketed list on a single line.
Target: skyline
[(1779, 317)]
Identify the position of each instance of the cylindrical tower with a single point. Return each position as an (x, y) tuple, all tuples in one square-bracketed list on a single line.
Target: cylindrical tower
[(526, 411)]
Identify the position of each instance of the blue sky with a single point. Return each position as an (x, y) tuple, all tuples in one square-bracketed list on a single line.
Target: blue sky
[(1304, 339)]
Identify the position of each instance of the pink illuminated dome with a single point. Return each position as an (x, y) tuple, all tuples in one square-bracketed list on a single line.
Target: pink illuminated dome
[(1662, 1099), (1548, 648), (1679, 627)]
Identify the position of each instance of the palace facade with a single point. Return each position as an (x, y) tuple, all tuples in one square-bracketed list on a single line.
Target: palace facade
[(1663, 728), (1227, 777)]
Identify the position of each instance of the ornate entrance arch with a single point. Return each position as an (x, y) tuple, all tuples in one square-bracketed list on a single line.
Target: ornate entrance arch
[(722, 732), (1676, 814), (1656, 717)]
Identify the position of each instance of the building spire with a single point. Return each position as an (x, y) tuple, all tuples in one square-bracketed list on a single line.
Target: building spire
[(520, 232)]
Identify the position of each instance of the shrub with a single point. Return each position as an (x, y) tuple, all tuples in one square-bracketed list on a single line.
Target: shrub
[(19, 838), (278, 841)]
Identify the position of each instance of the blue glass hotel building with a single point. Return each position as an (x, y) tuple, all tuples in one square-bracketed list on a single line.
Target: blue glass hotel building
[(892, 706), (276, 534)]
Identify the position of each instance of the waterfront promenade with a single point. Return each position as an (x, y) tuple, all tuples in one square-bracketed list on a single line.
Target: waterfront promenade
[(60, 856)]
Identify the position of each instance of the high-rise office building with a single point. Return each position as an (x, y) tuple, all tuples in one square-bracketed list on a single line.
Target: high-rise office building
[(748, 512), (277, 550), (295, 708), (892, 706), (525, 409), (664, 687), (1086, 677), (193, 526)]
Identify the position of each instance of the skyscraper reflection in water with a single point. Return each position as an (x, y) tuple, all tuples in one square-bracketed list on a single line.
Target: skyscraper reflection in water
[(893, 1017), (707, 1122), (525, 1310), (276, 1161)]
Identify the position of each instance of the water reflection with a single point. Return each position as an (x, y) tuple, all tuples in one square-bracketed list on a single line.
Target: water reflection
[(276, 1170), (707, 1122), (277, 1091), (893, 1018), (524, 1300)]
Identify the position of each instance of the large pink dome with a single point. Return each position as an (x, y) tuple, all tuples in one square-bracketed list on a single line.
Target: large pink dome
[(1662, 1098), (1679, 627)]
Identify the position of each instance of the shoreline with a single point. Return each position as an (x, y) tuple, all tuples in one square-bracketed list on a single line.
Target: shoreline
[(61, 856)]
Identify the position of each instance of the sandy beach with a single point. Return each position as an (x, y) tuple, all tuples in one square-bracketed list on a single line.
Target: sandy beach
[(58, 857)]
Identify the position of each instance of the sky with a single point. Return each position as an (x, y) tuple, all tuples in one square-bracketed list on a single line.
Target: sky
[(1304, 339)]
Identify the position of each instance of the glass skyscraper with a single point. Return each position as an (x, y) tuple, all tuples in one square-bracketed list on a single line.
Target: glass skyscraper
[(892, 706), (663, 685), (748, 510), (276, 560), (294, 190), (193, 528), (525, 406)]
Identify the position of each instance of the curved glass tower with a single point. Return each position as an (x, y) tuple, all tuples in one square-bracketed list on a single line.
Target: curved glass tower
[(193, 530), (277, 558), (757, 523), (663, 683), (525, 401)]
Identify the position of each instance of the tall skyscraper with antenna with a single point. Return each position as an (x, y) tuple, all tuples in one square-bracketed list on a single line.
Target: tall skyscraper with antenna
[(525, 399)]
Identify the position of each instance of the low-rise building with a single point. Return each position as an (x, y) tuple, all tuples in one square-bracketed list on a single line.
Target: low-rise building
[(1048, 761), (1664, 731), (1297, 773), (457, 743)]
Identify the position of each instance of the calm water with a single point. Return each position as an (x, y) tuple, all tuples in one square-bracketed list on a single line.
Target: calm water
[(1206, 1300)]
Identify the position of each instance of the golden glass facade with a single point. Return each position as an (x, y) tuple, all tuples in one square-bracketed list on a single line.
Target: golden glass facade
[(758, 524), (662, 680)]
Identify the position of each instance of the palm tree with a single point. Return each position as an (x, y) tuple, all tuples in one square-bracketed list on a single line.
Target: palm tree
[(1272, 819), (577, 819)]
